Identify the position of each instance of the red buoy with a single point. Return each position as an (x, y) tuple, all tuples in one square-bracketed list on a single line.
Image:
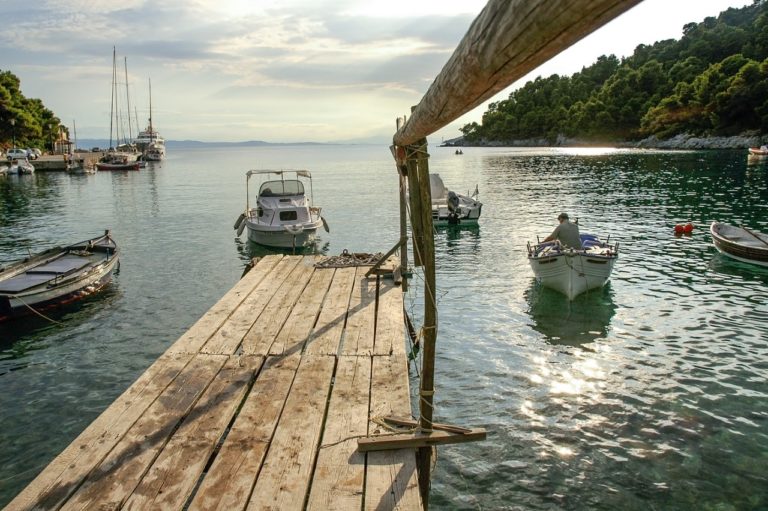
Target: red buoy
[(679, 228), (688, 227)]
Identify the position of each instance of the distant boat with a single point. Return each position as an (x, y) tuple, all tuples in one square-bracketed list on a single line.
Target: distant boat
[(571, 271), (118, 161), (149, 141), (740, 243), (57, 276), (759, 151), (451, 208), (284, 216)]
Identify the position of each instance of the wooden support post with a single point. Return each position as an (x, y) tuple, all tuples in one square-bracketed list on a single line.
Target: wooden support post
[(403, 234), (402, 180), (426, 393), (417, 224)]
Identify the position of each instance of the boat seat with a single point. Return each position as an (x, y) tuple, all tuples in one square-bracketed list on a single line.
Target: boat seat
[(65, 264), (24, 281)]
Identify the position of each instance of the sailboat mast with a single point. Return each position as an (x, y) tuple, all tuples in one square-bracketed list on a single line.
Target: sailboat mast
[(112, 98), (151, 129), (128, 101)]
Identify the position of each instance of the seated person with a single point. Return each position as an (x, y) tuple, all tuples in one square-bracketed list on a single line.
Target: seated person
[(567, 233)]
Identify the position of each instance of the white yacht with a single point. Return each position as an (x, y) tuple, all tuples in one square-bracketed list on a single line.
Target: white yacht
[(284, 216)]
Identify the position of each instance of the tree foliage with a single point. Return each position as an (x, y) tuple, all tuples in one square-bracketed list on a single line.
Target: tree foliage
[(24, 119), (713, 81)]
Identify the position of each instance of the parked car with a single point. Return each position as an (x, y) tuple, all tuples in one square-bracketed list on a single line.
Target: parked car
[(17, 154)]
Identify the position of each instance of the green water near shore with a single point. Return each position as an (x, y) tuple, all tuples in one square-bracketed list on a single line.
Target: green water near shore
[(648, 394)]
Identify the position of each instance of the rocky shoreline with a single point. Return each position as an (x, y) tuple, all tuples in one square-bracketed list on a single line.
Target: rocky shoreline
[(680, 141)]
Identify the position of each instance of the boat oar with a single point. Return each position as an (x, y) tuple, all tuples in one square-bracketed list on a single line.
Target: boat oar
[(755, 235)]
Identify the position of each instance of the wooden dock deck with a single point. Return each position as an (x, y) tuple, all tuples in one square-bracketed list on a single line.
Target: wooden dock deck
[(258, 406)]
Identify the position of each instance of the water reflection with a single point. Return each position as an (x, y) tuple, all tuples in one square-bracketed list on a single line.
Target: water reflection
[(570, 322), (21, 336), (729, 267), (464, 236)]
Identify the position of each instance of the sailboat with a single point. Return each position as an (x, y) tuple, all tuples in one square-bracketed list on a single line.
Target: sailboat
[(149, 141), (116, 159)]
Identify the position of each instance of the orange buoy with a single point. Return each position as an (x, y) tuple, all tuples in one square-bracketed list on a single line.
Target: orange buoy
[(688, 227)]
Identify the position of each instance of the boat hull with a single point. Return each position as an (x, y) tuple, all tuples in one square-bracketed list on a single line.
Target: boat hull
[(757, 151), (572, 273), (282, 237), (118, 166), (29, 287), (740, 244)]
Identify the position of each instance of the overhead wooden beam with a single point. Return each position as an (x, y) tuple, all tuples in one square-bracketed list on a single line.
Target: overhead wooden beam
[(507, 40)]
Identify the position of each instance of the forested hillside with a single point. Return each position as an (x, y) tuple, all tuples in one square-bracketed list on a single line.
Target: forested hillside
[(24, 119), (713, 82)]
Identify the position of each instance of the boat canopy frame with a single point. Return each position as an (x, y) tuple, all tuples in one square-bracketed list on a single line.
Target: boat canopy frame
[(282, 172)]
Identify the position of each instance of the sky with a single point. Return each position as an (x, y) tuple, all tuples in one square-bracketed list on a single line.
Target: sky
[(273, 70)]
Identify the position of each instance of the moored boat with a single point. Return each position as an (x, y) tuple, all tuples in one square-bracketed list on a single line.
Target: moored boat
[(118, 161), (759, 151), (571, 271), (57, 276), (284, 216), (19, 166), (740, 243), (451, 208)]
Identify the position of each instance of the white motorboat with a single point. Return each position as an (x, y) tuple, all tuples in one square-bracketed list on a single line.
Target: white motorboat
[(570, 271), (451, 208), (284, 216), (19, 166)]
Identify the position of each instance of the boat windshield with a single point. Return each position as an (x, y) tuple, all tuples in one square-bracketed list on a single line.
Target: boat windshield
[(281, 188)]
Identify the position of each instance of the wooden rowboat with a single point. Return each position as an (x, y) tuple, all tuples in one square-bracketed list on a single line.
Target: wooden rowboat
[(740, 243), (57, 276)]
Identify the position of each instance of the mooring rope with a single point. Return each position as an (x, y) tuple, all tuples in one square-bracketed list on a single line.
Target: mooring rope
[(35, 311), (348, 259)]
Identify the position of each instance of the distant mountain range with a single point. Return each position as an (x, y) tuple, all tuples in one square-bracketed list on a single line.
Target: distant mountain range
[(181, 144), (87, 143)]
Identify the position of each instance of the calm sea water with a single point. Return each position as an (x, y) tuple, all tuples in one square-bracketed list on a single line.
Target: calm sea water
[(649, 394)]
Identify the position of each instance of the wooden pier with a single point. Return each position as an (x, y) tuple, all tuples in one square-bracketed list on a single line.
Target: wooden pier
[(259, 405)]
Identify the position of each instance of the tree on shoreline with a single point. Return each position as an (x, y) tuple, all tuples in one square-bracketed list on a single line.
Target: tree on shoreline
[(713, 81), (30, 117)]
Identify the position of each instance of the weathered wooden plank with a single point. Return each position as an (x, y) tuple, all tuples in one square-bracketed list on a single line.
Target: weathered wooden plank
[(361, 317), (298, 326), (390, 323), (340, 470), (194, 338), (65, 473), (508, 39), (263, 333), (117, 476), (413, 440), (285, 476), (227, 338), (173, 476), (326, 335), (392, 481), (232, 475)]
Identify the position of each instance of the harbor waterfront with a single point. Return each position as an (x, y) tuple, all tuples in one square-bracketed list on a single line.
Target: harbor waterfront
[(650, 393)]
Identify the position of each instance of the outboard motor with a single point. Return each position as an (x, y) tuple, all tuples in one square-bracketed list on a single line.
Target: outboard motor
[(453, 208)]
